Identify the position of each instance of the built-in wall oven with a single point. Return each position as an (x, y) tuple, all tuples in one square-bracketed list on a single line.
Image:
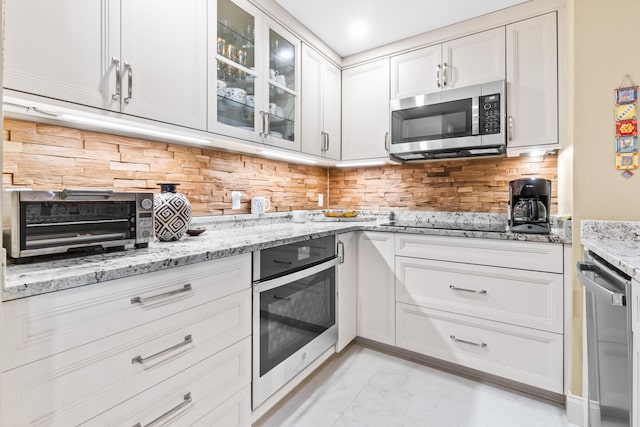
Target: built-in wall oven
[(294, 311)]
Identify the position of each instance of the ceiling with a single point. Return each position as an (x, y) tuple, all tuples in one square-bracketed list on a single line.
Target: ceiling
[(353, 26)]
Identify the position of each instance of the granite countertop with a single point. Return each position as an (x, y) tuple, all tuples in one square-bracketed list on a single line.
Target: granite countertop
[(226, 236), (618, 242)]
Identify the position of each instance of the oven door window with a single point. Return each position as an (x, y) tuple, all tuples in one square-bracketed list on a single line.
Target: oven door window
[(293, 314), (432, 122), (49, 224)]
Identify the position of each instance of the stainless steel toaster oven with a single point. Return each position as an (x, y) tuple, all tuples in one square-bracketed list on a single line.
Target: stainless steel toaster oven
[(74, 219)]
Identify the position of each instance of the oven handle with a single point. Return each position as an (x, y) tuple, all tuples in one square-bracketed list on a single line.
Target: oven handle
[(83, 193), (289, 278), (475, 115)]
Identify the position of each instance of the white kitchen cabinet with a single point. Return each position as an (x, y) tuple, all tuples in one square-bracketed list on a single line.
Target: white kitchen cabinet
[(202, 395), (492, 305), (82, 351), (63, 49), (635, 325), (529, 356), (531, 299), (101, 54), (375, 289), (321, 105), (532, 84), (474, 59), (347, 282), (255, 87), (365, 111)]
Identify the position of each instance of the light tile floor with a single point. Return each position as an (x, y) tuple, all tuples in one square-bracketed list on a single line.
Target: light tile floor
[(363, 387)]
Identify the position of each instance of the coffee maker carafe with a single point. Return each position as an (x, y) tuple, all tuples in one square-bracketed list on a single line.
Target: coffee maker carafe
[(529, 205)]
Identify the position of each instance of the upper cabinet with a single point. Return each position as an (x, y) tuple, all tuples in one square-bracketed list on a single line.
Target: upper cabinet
[(365, 111), (532, 83), (101, 54), (254, 76), (475, 59), (321, 105)]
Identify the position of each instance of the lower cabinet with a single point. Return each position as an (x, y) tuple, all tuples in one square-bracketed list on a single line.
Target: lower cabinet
[(182, 366), (215, 391), (347, 279), (375, 290), (462, 301), (525, 355)]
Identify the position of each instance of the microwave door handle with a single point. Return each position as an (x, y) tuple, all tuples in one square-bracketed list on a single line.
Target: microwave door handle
[(475, 115)]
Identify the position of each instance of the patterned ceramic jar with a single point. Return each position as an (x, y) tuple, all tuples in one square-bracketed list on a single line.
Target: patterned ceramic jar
[(172, 212)]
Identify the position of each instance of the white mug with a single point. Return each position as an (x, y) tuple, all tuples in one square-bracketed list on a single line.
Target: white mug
[(273, 74), (272, 108), (260, 205)]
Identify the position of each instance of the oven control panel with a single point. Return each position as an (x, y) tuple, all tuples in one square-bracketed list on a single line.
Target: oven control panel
[(490, 114)]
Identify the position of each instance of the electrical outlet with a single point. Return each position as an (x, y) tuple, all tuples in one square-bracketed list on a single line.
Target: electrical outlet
[(320, 200), (236, 196)]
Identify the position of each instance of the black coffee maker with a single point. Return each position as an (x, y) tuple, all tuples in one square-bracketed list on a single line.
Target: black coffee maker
[(530, 205)]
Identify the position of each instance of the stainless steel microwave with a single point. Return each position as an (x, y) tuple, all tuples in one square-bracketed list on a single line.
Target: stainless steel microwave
[(453, 123), (80, 219)]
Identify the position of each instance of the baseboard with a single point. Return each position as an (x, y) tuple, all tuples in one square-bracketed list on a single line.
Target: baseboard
[(575, 409)]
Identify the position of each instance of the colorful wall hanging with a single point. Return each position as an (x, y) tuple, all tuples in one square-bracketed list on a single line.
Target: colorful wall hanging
[(626, 114)]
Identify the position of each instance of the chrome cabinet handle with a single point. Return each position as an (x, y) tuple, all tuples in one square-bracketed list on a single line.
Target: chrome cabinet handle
[(116, 63), (139, 359), (140, 300), (262, 119), (386, 141), (277, 261), (478, 344), (444, 75), (129, 69), (341, 251), (438, 76), (455, 288), (267, 123), (325, 142), (510, 128), (186, 400), (282, 298)]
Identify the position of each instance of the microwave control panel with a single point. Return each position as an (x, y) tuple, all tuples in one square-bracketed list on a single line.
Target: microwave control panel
[(490, 114)]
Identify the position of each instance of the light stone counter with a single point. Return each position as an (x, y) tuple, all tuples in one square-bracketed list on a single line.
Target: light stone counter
[(618, 242), (226, 236)]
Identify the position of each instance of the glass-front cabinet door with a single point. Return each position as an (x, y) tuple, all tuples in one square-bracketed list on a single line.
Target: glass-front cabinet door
[(253, 76), (284, 81), (234, 69)]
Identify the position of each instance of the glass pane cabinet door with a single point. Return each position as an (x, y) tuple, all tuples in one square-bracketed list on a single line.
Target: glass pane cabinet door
[(283, 84), (235, 66)]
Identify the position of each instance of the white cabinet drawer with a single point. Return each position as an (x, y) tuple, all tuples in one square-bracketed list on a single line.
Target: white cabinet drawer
[(499, 253), (526, 298), (218, 390), (525, 355), (39, 326), (72, 387)]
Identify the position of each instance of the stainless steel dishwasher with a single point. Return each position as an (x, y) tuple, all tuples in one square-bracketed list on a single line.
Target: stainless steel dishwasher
[(609, 341)]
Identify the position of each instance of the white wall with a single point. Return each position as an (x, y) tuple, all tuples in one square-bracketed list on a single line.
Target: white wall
[(605, 48)]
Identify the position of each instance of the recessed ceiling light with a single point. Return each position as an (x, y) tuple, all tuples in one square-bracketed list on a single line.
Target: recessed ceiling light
[(359, 30)]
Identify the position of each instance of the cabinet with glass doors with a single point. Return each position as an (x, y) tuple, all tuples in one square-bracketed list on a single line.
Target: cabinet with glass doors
[(256, 73)]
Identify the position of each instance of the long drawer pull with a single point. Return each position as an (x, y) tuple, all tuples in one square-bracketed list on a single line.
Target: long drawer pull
[(277, 261), (282, 298), (478, 344), (475, 291), (139, 359), (140, 300), (187, 399)]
